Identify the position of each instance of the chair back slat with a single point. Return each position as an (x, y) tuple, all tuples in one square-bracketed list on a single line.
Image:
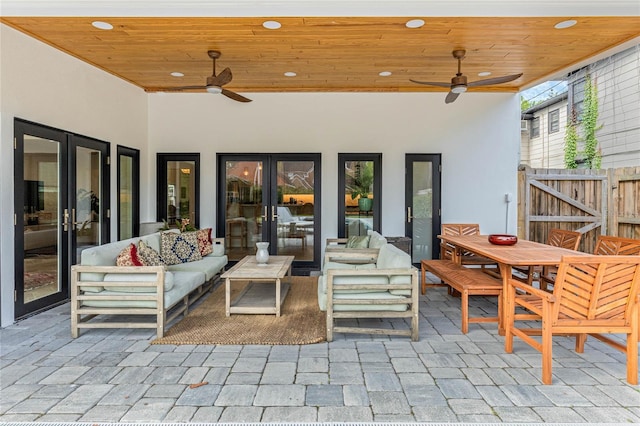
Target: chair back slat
[(460, 229), (610, 245), (563, 238), (596, 287)]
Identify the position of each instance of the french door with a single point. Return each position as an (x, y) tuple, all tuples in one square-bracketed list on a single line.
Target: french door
[(270, 197), (61, 207), (422, 205)]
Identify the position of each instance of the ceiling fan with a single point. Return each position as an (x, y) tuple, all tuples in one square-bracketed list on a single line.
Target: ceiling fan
[(215, 82), (459, 82)]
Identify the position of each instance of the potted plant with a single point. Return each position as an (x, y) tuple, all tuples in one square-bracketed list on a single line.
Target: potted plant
[(362, 185)]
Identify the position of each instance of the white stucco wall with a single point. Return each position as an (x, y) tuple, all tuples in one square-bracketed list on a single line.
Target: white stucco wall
[(478, 137), (49, 87)]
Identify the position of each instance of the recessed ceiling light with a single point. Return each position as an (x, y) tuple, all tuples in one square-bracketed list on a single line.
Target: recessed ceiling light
[(415, 23), (565, 24), (290, 74), (177, 74), (384, 73), (271, 25), (102, 25), (484, 73)]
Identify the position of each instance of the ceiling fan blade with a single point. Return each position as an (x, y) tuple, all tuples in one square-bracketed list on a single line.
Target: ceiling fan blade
[(221, 79), (496, 80), (432, 83), (451, 97), (177, 89), (235, 96)]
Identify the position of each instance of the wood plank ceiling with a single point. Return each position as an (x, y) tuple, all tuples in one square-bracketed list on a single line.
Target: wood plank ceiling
[(329, 54)]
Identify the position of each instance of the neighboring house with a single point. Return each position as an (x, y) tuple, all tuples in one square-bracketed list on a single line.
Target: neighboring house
[(542, 134), (617, 79)]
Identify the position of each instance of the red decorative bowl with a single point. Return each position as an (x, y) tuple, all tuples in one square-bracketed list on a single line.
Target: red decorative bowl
[(503, 239)]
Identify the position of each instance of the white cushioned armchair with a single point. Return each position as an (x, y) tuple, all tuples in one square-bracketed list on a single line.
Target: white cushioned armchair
[(386, 288)]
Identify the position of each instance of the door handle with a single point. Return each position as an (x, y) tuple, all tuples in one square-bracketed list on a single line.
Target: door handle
[(265, 216), (274, 216), (409, 217), (65, 220)]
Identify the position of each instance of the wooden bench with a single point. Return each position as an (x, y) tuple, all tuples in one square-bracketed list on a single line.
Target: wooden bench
[(468, 282)]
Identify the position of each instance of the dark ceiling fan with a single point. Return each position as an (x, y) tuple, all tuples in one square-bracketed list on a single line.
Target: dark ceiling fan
[(459, 82), (215, 82)]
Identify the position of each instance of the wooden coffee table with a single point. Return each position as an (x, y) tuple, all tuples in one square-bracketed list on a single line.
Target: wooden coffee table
[(258, 297)]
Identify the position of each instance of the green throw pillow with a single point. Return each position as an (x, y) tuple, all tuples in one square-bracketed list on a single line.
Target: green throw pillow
[(358, 242)]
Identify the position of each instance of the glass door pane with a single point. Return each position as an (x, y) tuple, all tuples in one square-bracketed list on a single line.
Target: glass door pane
[(128, 192), (423, 205), (85, 217), (295, 208), (244, 207), (359, 183), (42, 260), (180, 192)]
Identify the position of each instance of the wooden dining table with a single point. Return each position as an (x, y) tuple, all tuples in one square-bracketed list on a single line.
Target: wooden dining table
[(523, 253)]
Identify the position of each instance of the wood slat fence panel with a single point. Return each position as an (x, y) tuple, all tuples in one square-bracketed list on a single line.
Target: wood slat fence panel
[(593, 202)]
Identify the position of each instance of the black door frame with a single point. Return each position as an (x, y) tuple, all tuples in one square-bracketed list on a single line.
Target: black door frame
[(436, 160), (66, 195), (161, 174), (270, 198), (123, 151), (376, 158)]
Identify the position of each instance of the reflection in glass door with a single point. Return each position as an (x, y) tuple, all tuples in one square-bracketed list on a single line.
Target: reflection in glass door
[(295, 213), (50, 165), (269, 198), (359, 194), (43, 254), (128, 192), (86, 220), (178, 189), (423, 204)]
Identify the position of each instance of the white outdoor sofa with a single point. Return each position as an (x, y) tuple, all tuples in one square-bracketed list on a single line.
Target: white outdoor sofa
[(107, 296)]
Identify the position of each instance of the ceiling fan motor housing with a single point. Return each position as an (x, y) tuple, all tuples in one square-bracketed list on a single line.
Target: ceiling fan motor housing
[(459, 84)]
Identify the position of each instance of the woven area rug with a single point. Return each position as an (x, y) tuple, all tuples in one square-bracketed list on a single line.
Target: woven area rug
[(301, 321)]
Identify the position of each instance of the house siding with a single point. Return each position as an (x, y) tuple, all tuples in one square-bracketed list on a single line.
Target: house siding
[(617, 79)]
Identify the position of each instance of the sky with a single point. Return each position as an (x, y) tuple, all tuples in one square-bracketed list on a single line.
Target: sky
[(545, 90)]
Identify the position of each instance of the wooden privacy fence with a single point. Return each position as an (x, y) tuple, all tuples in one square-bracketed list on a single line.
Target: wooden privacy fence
[(593, 202)]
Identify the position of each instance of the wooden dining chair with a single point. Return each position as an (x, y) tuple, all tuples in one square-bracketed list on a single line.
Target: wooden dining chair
[(546, 274), (467, 258), (610, 245), (592, 295)]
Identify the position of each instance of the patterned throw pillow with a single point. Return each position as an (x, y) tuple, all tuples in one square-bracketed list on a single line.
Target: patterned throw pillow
[(204, 241), (128, 256), (179, 248), (148, 256)]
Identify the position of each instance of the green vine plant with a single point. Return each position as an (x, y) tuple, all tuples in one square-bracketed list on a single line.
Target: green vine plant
[(571, 143), (593, 157), (588, 122)]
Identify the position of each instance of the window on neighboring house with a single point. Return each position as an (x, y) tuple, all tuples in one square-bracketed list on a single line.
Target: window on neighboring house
[(554, 121), (576, 98), (535, 127)]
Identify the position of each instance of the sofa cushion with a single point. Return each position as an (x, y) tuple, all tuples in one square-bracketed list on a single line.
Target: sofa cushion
[(208, 265), (104, 255), (184, 283), (179, 248), (375, 239), (148, 256), (353, 279), (169, 281), (391, 257), (400, 307), (204, 241), (358, 241)]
